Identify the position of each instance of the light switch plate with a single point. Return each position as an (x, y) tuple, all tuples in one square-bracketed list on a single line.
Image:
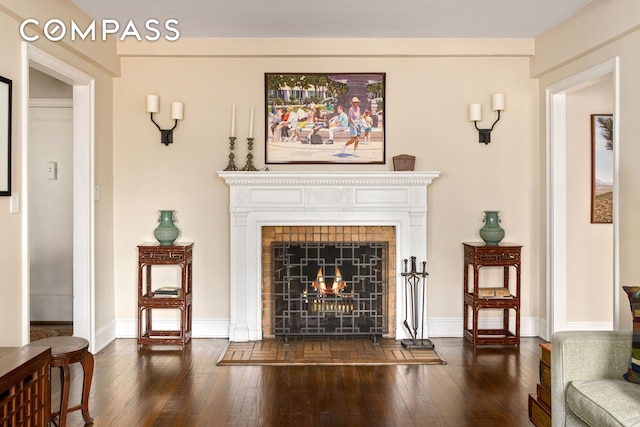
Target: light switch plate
[(52, 170), (14, 203)]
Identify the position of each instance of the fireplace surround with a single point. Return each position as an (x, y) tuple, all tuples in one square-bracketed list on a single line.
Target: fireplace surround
[(332, 199)]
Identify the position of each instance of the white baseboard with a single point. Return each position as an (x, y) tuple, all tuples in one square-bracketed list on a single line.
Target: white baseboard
[(105, 336), (451, 327), (443, 327), (589, 326), (202, 328), (219, 328)]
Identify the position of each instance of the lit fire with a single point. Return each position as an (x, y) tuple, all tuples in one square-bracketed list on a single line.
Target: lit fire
[(320, 286)]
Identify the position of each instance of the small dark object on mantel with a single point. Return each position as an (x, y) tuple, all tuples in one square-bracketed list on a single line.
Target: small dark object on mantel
[(404, 162)]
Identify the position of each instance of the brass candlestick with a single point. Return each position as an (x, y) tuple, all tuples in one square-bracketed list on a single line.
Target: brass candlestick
[(231, 166), (249, 166)]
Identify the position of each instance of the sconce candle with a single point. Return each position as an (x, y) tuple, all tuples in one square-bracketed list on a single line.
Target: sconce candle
[(177, 110), (475, 112), (233, 121), (497, 102), (251, 123), (152, 103)]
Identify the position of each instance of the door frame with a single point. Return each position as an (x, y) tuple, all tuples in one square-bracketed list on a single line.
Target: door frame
[(556, 161), (83, 188)]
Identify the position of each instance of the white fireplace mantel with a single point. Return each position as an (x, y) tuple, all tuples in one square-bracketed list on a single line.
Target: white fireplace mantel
[(259, 199)]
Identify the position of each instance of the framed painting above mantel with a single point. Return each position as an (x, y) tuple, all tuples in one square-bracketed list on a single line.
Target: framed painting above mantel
[(601, 168), (5, 136), (334, 118)]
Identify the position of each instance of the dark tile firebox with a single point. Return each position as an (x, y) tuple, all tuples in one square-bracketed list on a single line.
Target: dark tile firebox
[(329, 289)]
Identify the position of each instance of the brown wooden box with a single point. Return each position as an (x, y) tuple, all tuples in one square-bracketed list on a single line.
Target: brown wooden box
[(544, 396), (404, 162), (545, 374), (546, 353), (538, 414)]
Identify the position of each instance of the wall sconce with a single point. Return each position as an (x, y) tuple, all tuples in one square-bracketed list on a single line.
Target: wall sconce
[(475, 115), (177, 113)]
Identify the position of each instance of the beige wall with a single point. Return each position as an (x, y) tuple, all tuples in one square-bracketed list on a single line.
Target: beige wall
[(602, 31), (426, 104), (10, 225), (100, 62), (588, 31)]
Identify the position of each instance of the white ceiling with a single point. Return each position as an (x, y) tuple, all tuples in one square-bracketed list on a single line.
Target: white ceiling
[(343, 18)]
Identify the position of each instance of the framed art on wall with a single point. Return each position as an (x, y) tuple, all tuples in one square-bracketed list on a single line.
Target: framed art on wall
[(601, 168), (5, 136), (336, 118)]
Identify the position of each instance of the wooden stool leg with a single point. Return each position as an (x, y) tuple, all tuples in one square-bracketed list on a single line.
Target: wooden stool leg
[(87, 366), (65, 385)]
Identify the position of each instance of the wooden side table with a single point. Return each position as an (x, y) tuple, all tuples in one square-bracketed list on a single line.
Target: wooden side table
[(25, 389), (478, 255), (152, 254)]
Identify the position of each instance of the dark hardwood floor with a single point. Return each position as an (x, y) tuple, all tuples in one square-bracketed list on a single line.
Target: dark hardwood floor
[(164, 386)]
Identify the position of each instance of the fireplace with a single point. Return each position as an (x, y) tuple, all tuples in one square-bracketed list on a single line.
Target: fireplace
[(320, 208), (328, 281)]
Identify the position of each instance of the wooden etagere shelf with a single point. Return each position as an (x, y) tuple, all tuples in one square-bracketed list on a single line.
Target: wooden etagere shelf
[(478, 255), (150, 298)]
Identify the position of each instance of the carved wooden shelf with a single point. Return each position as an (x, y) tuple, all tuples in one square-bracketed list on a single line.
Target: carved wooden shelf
[(479, 255), (152, 254)]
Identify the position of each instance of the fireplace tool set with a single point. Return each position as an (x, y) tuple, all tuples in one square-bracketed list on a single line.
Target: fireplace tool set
[(415, 296)]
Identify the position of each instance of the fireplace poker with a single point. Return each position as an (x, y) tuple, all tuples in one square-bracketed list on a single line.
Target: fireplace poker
[(406, 311), (413, 293)]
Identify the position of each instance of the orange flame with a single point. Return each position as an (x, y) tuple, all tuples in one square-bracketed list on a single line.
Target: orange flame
[(320, 286), (337, 283)]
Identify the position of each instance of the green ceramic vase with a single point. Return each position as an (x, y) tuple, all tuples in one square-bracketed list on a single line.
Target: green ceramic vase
[(166, 232), (491, 232)]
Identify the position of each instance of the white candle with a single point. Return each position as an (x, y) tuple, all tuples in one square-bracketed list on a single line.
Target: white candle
[(177, 110), (152, 103), (497, 102), (251, 123), (233, 121), (475, 112)]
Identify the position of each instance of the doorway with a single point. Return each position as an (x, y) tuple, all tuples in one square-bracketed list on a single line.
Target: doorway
[(50, 201), (558, 262), (83, 227)]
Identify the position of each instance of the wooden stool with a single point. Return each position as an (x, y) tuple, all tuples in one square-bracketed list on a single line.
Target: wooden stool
[(65, 351)]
